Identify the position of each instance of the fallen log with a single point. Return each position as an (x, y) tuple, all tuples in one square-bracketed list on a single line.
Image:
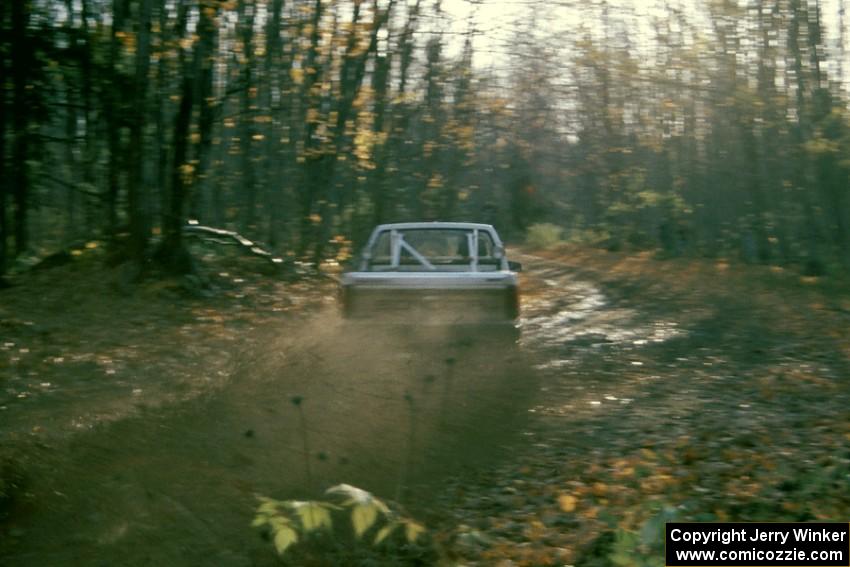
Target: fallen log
[(230, 237)]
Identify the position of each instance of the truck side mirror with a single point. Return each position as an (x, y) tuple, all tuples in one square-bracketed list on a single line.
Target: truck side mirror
[(514, 266)]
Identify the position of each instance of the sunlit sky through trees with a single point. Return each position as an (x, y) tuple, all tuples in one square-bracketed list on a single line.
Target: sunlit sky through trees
[(497, 24)]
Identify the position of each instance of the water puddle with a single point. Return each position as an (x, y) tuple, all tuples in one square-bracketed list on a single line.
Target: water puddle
[(577, 314)]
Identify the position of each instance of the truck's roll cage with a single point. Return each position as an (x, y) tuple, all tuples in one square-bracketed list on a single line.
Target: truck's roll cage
[(399, 245)]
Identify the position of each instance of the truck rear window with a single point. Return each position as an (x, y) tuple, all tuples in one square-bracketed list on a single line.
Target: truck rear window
[(425, 249)]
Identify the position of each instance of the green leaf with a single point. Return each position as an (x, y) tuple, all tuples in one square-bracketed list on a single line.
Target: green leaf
[(625, 548), (363, 516), (413, 530), (384, 532), (284, 537)]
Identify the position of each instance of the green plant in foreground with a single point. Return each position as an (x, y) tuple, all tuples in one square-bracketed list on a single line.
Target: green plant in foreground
[(290, 521), (645, 547)]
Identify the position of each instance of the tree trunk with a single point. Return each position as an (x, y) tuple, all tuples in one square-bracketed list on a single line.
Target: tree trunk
[(307, 190), (114, 122), (195, 87), (811, 233), (273, 169), (247, 101), (172, 253), (136, 196), (205, 101), (21, 61), (4, 229)]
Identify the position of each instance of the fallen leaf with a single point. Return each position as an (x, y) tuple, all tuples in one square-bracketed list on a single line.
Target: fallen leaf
[(567, 502)]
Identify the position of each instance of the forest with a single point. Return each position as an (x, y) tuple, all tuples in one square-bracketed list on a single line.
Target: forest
[(714, 130)]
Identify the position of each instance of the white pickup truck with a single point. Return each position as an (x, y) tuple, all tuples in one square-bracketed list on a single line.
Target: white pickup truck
[(434, 273)]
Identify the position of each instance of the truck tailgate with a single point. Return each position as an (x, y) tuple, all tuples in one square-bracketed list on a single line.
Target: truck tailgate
[(450, 298)]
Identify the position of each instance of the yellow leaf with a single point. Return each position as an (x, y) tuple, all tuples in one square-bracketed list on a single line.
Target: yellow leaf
[(283, 538), (260, 520), (567, 502), (412, 530), (384, 532), (648, 454), (268, 508), (362, 517), (279, 522), (314, 516), (435, 182)]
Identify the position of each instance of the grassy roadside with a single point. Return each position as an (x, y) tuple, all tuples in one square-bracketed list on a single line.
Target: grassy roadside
[(742, 415), (79, 347)]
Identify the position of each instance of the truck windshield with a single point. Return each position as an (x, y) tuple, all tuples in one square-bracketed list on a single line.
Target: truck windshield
[(433, 249)]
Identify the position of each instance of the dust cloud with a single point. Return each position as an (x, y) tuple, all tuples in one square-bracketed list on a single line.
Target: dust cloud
[(386, 406)]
